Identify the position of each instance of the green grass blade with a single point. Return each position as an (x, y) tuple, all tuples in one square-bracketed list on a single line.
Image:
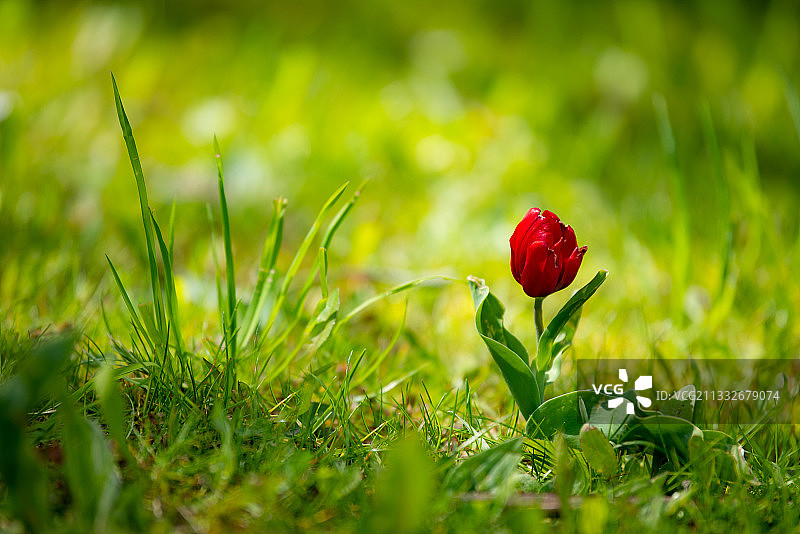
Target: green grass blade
[(323, 271), (340, 216), (301, 252), (128, 304), (226, 235), (326, 241), (393, 291), (133, 155), (171, 297), (316, 333), (266, 273)]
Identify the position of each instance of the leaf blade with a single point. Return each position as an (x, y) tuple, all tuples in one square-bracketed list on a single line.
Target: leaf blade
[(133, 156), (544, 354), (226, 237), (513, 366)]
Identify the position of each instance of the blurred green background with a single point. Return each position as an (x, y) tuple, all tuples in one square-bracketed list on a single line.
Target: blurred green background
[(462, 114)]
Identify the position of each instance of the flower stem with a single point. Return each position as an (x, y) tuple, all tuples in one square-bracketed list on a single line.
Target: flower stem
[(537, 316)]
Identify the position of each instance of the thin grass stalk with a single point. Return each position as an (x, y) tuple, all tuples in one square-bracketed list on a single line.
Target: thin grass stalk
[(266, 272), (229, 272), (298, 258), (141, 187), (326, 241), (170, 293)]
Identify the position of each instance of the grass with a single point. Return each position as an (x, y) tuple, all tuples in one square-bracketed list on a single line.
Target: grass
[(231, 369), (306, 438)]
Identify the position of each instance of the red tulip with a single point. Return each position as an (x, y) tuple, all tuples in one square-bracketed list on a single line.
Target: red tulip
[(544, 253)]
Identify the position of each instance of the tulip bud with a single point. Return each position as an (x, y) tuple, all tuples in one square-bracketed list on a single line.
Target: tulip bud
[(544, 253)]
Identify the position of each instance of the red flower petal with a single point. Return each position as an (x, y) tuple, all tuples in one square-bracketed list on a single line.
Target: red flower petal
[(534, 264), (549, 230), (544, 253), (519, 243), (523, 226), (540, 275), (571, 267), (570, 243), (560, 256)]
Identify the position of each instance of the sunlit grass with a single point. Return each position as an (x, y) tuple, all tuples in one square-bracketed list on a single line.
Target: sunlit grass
[(244, 362)]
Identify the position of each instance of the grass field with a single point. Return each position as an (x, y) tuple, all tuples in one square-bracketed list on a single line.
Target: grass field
[(234, 284)]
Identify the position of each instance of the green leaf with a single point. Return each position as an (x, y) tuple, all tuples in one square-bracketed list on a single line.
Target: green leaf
[(490, 319), (715, 456), (552, 374), (486, 470), (665, 432), (545, 352), (612, 422), (681, 405), (561, 414), (563, 341), (598, 451), (507, 351)]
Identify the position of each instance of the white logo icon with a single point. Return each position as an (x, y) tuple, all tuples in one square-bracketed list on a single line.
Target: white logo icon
[(642, 383)]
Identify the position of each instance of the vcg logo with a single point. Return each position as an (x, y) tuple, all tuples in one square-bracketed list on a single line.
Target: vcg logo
[(642, 383)]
